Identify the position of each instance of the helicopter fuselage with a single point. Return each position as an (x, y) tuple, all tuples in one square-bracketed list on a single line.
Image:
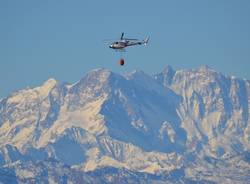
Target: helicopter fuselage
[(123, 43)]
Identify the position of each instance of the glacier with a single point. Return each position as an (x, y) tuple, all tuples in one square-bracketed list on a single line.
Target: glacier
[(176, 126)]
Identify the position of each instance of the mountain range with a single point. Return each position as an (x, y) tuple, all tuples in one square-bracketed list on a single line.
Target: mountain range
[(177, 126)]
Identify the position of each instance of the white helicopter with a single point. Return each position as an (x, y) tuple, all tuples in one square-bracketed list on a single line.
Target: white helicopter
[(126, 42)]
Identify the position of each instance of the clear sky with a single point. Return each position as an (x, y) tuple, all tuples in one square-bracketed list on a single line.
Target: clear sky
[(63, 39)]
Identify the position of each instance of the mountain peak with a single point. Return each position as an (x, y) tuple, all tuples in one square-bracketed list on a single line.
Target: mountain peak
[(166, 76), (168, 69), (47, 87), (94, 80), (50, 83), (139, 75), (100, 73), (136, 73), (100, 70), (205, 68)]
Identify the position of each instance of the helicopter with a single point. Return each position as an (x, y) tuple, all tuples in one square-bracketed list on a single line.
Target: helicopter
[(126, 42), (121, 44)]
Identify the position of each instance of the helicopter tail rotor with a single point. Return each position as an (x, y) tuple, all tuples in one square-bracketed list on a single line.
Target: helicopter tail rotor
[(146, 41)]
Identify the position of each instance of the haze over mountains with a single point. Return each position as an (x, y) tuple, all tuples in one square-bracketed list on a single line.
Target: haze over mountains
[(175, 126)]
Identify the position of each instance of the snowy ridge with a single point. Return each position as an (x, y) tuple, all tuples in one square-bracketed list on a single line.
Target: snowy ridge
[(186, 122)]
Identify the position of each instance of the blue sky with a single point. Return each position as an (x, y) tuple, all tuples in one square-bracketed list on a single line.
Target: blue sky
[(64, 39)]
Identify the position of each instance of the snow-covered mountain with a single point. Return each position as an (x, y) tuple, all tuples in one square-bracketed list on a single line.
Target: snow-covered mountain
[(175, 126)]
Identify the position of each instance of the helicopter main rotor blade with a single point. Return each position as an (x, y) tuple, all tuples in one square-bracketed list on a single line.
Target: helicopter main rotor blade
[(108, 39), (130, 39), (122, 36)]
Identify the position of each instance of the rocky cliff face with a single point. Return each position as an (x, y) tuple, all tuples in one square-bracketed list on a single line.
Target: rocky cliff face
[(189, 122)]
